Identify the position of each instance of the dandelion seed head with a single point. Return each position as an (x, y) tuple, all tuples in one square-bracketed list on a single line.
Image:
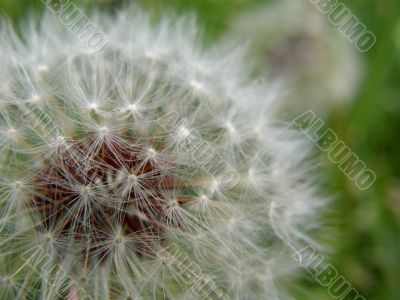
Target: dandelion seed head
[(42, 68), (132, 107), (86, 190), (183, 132), (110, 159), (151, 54), (196, 85), (12, 133), (151, 152), (18, 184), (34, 97), (93, 105), (230, 127), (173, 203)]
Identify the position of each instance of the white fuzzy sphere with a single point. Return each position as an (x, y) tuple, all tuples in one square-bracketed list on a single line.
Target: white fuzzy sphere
[(120, 166), (320, 69)]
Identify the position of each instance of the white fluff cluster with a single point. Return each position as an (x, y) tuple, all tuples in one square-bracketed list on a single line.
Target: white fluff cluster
[(294, 40), (152, 169)]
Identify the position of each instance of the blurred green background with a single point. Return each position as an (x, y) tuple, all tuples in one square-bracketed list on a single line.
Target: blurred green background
[(365, 225)]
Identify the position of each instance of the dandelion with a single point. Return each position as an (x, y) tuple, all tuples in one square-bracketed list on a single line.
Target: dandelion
[(294, 40), (108, 159)]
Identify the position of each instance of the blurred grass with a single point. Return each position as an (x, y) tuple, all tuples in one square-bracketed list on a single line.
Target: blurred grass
[(367, 248)]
